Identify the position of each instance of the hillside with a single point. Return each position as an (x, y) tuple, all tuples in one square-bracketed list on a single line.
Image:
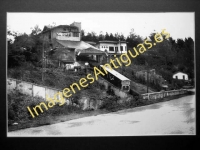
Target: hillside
[(55, 78)]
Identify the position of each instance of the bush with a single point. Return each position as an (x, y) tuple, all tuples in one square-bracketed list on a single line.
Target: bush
[(110, 103), (17, 106), (18, 103)]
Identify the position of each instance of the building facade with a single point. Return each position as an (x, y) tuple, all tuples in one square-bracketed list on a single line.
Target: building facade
[(63, 32), (62, 44), (180, 76), (112, 47)]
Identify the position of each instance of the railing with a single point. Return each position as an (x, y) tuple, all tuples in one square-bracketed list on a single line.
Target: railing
[(162, 94)]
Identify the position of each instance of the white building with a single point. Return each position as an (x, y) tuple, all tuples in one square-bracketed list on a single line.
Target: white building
[(180, 76), (112, 47)]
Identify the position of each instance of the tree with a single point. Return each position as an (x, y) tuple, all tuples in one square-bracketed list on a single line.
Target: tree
[(121, 37), (112, 37), (101, 36), (35, 30), (82, 35), (107, 37), (24, 48), (133, 40), (94, 37)]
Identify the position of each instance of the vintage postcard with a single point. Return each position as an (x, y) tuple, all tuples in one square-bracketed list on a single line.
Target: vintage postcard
[(100, 74)]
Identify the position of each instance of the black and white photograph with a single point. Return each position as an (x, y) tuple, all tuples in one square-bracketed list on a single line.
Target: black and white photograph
[(97, 74)]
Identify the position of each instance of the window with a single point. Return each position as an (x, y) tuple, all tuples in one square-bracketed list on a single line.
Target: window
[(116, 49), (183, 77), (111, 48), (125, 87), (121, 48), (49, 35), (75, 34), (125, 48), (176, 77)]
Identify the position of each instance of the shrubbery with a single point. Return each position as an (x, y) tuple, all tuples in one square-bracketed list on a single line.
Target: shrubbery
[(17, 106), (110, 103), (18, 112)]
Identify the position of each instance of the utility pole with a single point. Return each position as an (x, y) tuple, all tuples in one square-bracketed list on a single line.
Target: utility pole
[(43, 59), (121, 53), (147, 81), (147, 77)]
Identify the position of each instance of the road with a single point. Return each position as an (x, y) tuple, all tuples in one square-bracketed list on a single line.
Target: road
[(175, 117)]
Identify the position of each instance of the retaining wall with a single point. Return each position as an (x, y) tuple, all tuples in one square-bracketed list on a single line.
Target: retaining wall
[(31, 89), (34, 90)]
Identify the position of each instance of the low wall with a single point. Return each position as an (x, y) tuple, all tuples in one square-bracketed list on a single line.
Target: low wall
[(34, 90), (162, 94)]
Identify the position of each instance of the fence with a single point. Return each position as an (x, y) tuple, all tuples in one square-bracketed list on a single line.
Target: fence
[(30, 89), (162, 94)]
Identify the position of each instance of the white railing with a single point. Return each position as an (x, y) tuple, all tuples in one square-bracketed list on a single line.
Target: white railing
[(162, 94)]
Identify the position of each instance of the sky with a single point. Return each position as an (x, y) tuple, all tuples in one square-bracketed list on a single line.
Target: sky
[(179, 25)]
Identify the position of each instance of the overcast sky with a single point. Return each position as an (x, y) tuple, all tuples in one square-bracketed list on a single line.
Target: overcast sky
[(179, 25)]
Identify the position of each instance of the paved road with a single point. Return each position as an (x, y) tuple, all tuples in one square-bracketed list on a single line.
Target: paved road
[(165, 118)]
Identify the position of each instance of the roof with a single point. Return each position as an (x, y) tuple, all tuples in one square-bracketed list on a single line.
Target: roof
[(164, 86), (75, 44), (81, 46), (179, 72), (90, 51), (90, 42), (114, 42), (115, 73)]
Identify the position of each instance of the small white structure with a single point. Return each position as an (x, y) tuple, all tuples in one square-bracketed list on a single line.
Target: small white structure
[(180, 76), (112, 47)]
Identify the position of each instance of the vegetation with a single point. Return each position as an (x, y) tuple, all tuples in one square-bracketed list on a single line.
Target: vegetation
[(18, 112), (166, 58)]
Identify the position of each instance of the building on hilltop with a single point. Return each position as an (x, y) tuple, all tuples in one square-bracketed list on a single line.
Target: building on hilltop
[(62, 44), (112, 47), (180, 76), (180, 79), (62, 32)]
